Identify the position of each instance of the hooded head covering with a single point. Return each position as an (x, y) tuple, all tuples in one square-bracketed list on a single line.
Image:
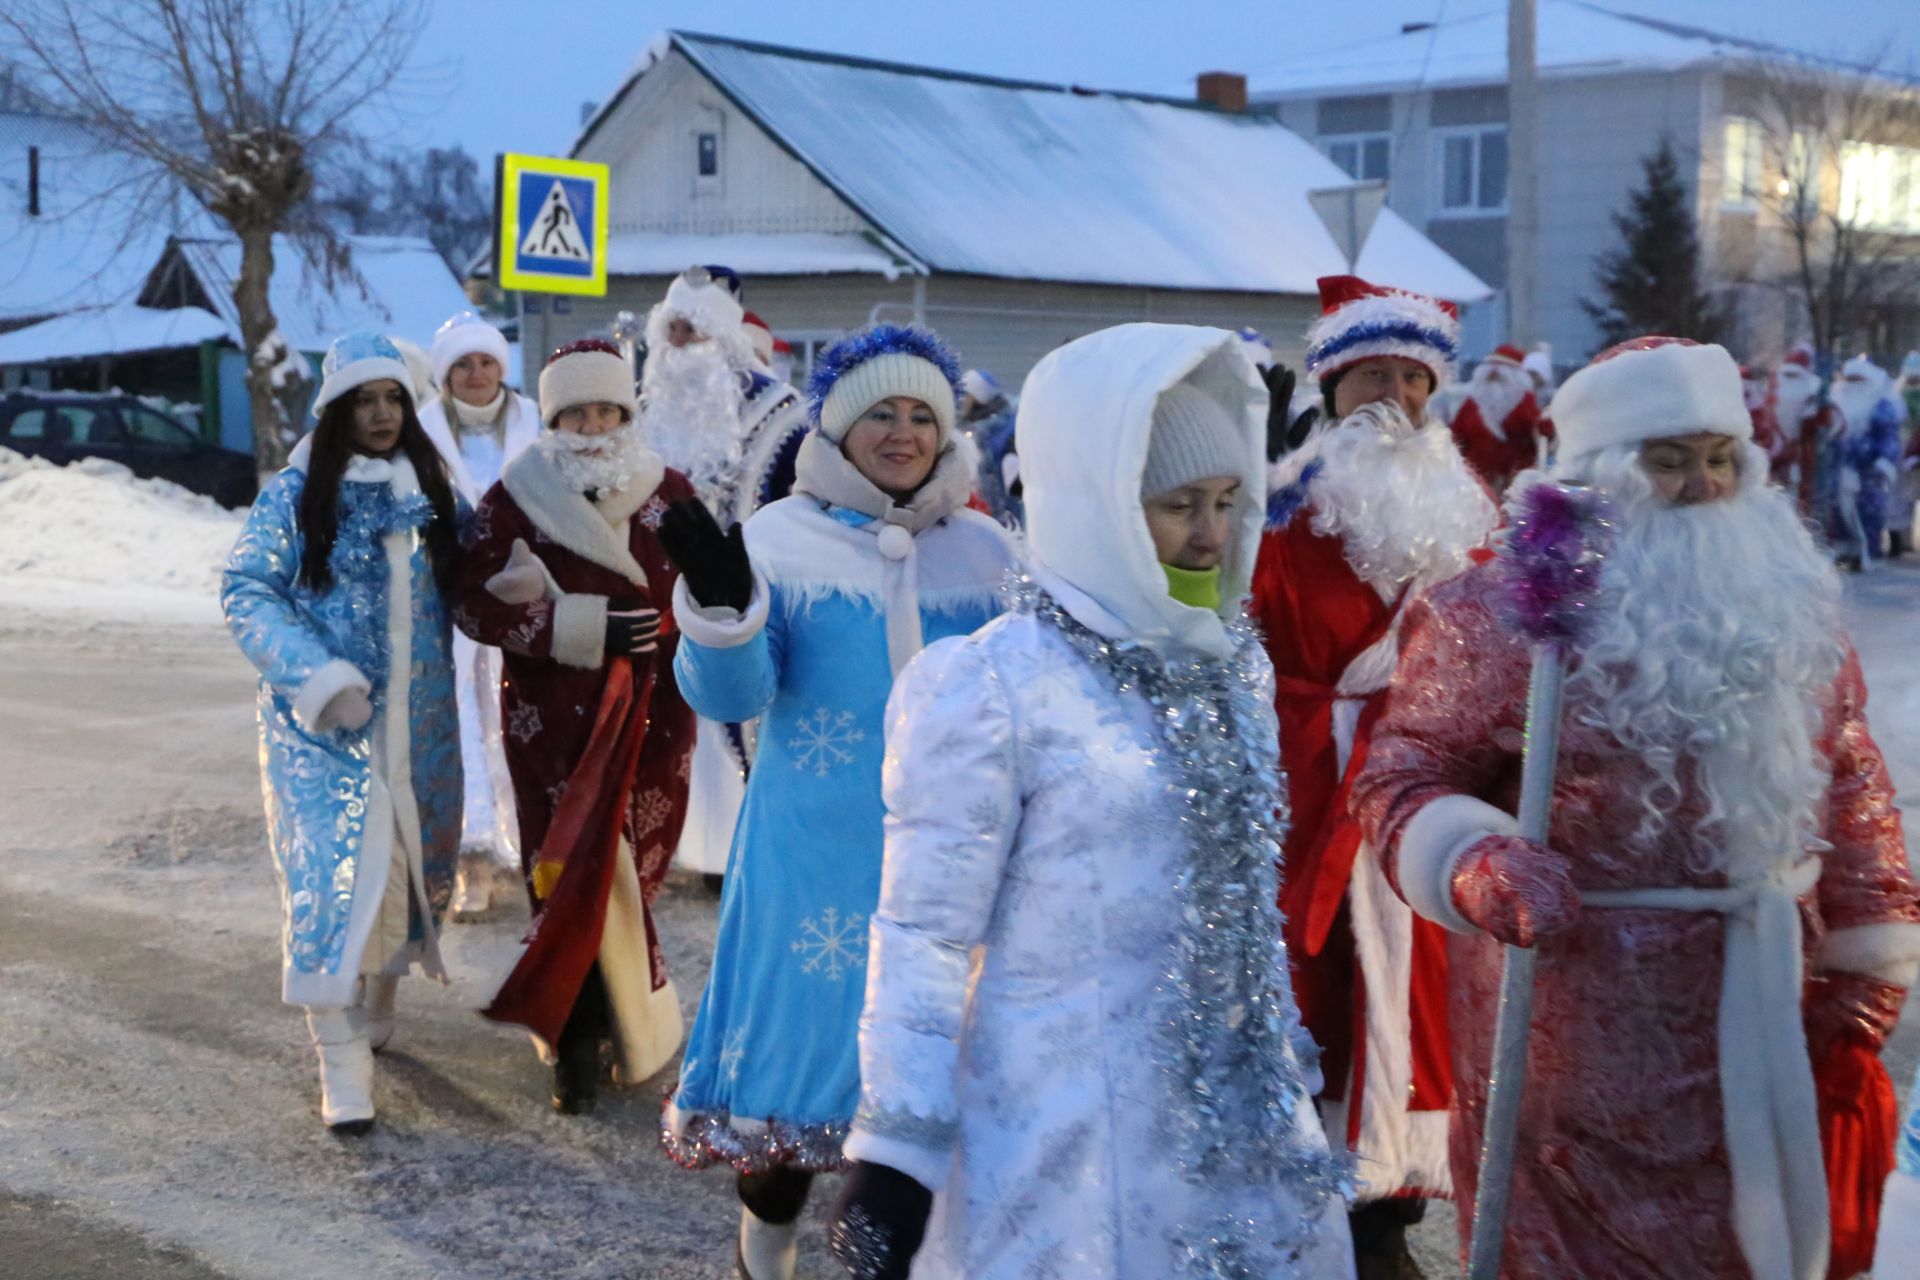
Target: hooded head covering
[(1085, 424)]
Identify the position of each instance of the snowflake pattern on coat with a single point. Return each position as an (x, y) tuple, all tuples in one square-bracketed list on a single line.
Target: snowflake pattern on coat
[(523, 722), (831, 944), (824, 740)]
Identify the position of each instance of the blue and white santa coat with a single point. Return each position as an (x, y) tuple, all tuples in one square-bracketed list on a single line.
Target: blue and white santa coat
[(342, 804), (841, 601)]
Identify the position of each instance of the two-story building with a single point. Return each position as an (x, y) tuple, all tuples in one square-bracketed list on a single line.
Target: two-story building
[(1425, 108), (1011, 216)]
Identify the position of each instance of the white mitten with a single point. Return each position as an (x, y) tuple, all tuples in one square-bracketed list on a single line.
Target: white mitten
[(524, 580)]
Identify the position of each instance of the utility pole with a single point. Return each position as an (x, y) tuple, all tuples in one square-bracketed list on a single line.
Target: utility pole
[(1523, 188)]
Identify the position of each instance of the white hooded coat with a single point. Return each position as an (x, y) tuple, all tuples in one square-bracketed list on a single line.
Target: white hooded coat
[(1035, 832)]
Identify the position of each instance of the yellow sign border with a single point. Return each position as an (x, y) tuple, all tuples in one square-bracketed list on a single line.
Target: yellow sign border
[(513, 165)]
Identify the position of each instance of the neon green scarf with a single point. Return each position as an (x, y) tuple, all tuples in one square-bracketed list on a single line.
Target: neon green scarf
[(1197, 587)]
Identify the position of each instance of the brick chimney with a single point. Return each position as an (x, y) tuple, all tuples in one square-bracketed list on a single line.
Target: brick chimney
[(1226, 90)]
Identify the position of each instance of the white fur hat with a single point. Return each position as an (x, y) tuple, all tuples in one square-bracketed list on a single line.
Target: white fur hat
[(463, 335), (700, 300), (419, 365), (1639, 391), (589, 371), (356, 359)]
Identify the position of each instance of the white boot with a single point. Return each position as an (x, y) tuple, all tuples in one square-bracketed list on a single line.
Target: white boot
[(472, 887), (346, 1067), (767, 1251), (380, 993)]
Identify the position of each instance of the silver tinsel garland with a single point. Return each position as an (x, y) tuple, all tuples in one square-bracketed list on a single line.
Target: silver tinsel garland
[(1233, 1051)]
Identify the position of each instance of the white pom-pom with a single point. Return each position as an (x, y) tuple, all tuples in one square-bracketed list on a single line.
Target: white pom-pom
[(895, 542)]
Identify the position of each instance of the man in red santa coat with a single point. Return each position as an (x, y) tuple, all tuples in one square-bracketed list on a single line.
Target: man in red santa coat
[(1725, 920), (1373, 508), (564, 572), (1757, 386), (1498, 425)]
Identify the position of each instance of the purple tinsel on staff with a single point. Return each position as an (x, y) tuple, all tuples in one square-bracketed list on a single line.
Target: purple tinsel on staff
[(1551, 563)]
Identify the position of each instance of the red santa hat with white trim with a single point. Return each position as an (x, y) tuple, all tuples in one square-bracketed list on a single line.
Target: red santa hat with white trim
[(1360, 321), (1651, 388), (1506, 353)]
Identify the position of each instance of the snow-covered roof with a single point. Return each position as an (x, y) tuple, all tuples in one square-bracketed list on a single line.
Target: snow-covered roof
[(981, 176), (409, 292), (645, 253), (80, 251), (119, 330), (1572, 37)]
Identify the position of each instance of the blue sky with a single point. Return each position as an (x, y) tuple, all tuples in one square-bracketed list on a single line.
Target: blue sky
[(512, 74)]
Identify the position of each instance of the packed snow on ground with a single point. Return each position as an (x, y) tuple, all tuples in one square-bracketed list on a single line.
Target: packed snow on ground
[(67, 532)]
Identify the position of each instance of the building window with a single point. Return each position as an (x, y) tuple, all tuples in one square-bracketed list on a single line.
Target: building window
[(1365, 156), (1473, 170), (707, 147), (1740, 165), (1880, 186)]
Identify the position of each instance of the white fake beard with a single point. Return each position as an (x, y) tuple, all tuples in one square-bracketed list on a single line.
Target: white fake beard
[(1718, 643), (690, 400), (1498, 391), (1404, 506), (1856, 401), (1793, 397), (595, 464)]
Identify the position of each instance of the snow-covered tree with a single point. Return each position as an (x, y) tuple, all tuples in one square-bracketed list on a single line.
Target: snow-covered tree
[(238, 103), (1652, 283)]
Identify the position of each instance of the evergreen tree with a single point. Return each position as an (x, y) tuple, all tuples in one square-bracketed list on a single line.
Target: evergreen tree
[(1652, 283)]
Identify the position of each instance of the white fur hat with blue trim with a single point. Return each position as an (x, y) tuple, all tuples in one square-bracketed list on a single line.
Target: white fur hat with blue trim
[(354, 360), (858, 372)]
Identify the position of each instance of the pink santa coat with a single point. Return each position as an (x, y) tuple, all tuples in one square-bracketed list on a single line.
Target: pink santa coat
[(1629, 1167)]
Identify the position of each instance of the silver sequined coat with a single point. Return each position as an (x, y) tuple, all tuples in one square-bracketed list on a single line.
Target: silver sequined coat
[(1032, 844)]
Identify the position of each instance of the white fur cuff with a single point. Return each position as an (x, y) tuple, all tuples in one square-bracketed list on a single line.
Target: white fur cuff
[(322, 686), (1431, 846), (1889, 952), (580, 631), (923, 1164), (716, 626)]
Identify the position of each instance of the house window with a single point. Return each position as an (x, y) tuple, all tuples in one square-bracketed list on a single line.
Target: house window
[(1365, 156), (1473, 170), (707, 149), (1740, 171), (1880, 186)]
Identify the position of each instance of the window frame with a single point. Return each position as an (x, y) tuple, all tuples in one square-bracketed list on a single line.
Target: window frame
[(1743, 196), (1475, 135), (1359, 141)]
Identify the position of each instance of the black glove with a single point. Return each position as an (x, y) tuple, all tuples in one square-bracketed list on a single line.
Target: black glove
[(632, 628), (1285, 432), (715, 564), (879, 1222)]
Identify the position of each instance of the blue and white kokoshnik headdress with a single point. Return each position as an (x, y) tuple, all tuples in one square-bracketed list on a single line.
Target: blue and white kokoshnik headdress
[(356, 359), (857, 372)]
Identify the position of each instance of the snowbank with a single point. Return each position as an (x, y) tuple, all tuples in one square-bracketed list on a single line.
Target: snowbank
[(95, 523)]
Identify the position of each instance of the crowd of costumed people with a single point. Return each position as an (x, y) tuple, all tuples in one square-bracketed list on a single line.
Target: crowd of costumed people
[(1114, 792)]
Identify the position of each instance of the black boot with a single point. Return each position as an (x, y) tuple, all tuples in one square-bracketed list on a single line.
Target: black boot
[(576, 1076), (1380, 1239), (1898, 543)]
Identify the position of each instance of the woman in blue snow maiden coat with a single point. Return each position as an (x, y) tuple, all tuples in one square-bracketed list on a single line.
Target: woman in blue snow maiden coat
[(336, 591), (802, 623)]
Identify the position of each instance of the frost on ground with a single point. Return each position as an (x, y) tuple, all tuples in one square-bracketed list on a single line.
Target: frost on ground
[(158, 1104)]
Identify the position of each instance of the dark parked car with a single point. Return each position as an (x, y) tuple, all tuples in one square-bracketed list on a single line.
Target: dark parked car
[(65, 426)]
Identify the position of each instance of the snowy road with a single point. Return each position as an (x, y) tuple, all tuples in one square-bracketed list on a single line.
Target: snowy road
[(158, 1110)]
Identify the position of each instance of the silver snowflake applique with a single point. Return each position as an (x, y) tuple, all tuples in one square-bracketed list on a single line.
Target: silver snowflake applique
[(824, 740), (830, 945), (650, 810), (652, 513), (523, 722), (732, 1053)]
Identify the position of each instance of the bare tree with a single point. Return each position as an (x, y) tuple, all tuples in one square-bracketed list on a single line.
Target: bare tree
[(238, 103), (1823, 174)]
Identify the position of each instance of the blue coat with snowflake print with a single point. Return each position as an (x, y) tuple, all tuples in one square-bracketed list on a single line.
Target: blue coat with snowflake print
[(771, 1073)]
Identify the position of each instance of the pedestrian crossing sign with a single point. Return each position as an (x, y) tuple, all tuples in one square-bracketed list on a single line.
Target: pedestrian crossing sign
[(551, 232)]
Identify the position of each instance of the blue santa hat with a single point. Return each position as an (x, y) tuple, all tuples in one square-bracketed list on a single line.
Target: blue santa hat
[(886, 360)]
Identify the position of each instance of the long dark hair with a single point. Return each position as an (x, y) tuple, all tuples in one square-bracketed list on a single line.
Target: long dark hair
[(320, 500)]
